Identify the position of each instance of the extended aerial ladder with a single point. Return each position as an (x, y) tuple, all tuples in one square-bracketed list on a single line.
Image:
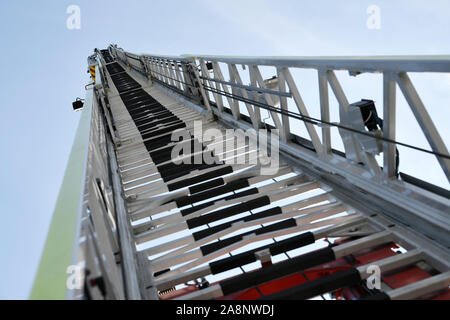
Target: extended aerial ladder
[(155, 206)]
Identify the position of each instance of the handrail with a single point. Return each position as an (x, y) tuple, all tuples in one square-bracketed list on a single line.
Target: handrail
[(431, 63), (395, 71)]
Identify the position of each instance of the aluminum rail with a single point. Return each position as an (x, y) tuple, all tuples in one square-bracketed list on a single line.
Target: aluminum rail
[(186, 80), (428, 63), (414, 206)]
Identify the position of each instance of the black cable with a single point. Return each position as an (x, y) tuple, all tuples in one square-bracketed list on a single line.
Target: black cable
[(128, 56), (163, 75), (315, 121), (181, 92), (312, 120)]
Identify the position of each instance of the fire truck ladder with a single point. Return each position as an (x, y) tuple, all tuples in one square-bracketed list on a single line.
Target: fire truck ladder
[(189, 180)]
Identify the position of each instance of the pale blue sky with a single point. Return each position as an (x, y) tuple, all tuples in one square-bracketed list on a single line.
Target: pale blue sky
[(43, 68)]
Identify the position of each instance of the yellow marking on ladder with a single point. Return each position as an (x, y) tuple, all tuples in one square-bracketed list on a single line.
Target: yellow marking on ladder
[(92, 70)]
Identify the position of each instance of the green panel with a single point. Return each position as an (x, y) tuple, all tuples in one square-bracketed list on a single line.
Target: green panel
[(50, 282)]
